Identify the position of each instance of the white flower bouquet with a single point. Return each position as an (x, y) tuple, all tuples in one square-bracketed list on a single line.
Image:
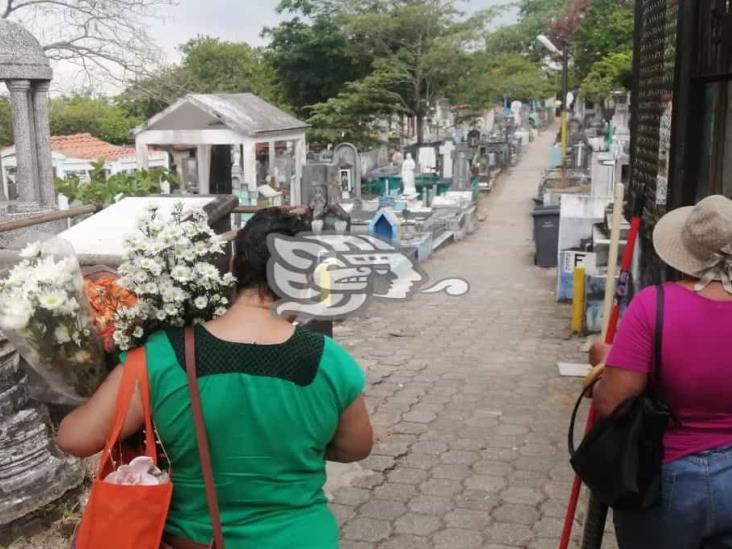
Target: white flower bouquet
[(171, 268), (45, 315)]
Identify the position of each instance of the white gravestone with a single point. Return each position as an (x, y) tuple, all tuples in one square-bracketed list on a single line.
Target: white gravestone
[(446, 151), (103, 234)]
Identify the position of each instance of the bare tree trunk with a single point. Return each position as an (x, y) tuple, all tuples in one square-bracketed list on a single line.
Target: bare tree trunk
[(33, 473), (420, 127)]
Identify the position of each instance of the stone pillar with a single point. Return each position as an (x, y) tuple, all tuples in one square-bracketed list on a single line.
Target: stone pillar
[(44, 160), (271, 157), (143, 157), (300, 158), (22, 133), (203, 163), (250, 167), (33, 471)]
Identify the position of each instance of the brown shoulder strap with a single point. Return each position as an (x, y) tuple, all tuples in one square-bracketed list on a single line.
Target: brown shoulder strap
[(205, 456)]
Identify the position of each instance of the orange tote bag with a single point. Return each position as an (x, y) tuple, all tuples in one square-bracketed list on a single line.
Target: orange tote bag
[(123, 516)]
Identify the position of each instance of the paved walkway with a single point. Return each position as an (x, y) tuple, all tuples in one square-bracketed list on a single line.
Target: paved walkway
[(475, 454)]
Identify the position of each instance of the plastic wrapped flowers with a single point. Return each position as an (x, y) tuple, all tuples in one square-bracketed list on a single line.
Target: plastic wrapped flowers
[(170, 266), (139, 472), (45, 315)]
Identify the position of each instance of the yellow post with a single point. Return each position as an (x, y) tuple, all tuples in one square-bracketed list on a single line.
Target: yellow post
[(578, 300)]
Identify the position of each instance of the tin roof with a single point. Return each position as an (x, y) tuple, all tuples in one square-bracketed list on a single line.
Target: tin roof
[(244, 113)]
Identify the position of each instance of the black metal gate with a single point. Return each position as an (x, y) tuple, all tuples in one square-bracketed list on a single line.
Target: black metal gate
[(652, 112)]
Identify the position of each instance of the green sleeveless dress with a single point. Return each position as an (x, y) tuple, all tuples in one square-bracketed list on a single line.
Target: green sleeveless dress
[(270, 412)]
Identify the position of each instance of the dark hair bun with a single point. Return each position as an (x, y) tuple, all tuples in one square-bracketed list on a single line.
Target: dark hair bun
[(251, 254)]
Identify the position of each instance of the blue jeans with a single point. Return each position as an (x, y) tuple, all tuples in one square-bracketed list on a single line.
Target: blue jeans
[(696, 512)]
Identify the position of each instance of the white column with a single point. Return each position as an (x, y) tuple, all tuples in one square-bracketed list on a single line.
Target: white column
[(249, 160), (143, 158), (44, 160), (300, 158), (203, 163), (25, 178), (271, 157)]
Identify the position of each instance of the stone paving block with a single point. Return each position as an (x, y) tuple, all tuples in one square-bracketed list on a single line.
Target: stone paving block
[(468, 518), (382, 509), (457, 538), (368, 481), (429, 447), (349, 544), (367, 529), (342, 513), (512, 534), (406, 541), (527, 496), (395, 492), (418, 524), (419, 460), (431, 505), (419, 417), (410, 428), (454, 471), (518, 513), (500, 454), (548, 527), (348, 495), (460, 456), (493, 468), (485, 483), (407, 475), (477, 499), (378, 463), (441, 487)]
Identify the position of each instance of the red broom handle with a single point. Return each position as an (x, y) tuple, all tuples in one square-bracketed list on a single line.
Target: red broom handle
[(609, 338)]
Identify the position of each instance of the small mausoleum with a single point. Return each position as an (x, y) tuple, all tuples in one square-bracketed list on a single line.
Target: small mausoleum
[(224, 133), (387, 225)]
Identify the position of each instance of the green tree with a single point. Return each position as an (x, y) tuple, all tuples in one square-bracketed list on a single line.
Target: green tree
[(424, 42), (209, 65), (355, 114), (492, 77), (212, 66), (146, 97), (95, 115), (535, 17), (606, 27), (314, 60), (612, 73), (6, 122)]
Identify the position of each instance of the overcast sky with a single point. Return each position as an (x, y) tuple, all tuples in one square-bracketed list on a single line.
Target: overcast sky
[(235, 20), (238, 20)]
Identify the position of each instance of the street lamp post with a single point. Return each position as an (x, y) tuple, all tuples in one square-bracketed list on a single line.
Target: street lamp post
[(564, 53), (565, 111)]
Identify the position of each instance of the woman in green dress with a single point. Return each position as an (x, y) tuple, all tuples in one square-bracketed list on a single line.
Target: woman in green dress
[(278, 402)]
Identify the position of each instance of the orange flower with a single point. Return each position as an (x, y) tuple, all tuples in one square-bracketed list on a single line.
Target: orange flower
[(106, 297)]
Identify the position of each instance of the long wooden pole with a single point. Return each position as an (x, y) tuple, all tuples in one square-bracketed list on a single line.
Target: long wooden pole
[(596, 511), (612, 260)]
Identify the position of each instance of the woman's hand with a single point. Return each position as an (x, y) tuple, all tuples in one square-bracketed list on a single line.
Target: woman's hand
[(598, 352)]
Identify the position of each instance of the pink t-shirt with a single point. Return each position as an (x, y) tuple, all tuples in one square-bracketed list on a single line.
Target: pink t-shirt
[(696, 364)]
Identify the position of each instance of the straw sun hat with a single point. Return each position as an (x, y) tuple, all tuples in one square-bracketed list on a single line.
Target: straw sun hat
[(697, 240)]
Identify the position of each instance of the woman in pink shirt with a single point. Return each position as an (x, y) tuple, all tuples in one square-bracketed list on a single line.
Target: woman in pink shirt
[(696, 367)]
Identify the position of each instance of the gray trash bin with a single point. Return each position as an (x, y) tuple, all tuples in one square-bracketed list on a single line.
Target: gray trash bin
[(546, 235)]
